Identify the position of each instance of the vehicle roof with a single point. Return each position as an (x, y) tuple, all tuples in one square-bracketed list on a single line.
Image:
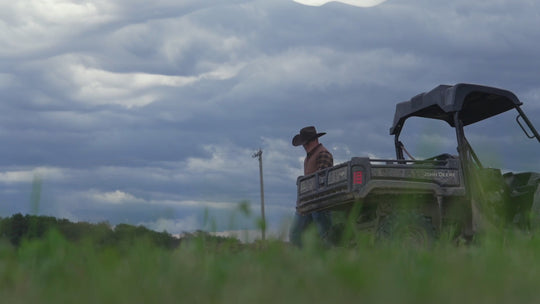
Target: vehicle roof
[(474, 102)]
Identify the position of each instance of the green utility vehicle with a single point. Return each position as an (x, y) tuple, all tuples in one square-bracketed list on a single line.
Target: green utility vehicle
[(417, 199)]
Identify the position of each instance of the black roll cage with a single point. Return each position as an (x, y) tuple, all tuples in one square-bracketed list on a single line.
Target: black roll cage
[(459, 105)]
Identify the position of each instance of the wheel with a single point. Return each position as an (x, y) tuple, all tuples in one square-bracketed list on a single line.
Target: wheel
[(406, 227)]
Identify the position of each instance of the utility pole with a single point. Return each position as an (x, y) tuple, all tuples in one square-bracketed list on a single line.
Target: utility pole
[(258, 154)]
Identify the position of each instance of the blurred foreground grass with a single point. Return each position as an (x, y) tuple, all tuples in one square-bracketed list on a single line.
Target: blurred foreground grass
[(500, 269)]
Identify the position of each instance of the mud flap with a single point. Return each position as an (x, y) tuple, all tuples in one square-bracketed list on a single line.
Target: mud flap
[(535, 210), (483, 217)]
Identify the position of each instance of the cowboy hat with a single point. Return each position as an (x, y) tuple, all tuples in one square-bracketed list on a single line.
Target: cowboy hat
[(306, 135)]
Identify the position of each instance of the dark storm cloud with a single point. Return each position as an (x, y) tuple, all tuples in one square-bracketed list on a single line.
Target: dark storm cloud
[(150, 112)]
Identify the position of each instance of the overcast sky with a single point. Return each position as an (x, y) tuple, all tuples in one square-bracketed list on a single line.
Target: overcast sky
[(148, 112)]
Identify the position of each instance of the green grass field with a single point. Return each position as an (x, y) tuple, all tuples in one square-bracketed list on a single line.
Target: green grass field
[(501, 269)]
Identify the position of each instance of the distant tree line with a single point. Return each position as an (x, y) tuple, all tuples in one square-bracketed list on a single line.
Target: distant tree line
[(19, 227)]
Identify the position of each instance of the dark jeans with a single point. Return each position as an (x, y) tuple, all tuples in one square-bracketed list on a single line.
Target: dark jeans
[(300, 223)]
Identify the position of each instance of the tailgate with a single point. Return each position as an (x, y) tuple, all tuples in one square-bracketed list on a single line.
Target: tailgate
[(355, 179), (331, 186)]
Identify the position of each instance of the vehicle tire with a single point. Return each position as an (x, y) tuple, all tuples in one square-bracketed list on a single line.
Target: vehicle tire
[(408, 228)]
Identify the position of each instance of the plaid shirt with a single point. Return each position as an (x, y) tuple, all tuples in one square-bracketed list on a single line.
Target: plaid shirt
[(319, 158), (324, 160)]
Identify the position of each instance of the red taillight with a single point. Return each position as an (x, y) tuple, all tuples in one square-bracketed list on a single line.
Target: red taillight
[(357, 178)]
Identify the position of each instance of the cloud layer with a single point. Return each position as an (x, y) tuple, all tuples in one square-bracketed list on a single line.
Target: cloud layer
[(359, 3), (149, 113)]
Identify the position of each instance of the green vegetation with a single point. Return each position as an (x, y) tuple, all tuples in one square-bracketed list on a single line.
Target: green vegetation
[(19, 227), (57, 268)]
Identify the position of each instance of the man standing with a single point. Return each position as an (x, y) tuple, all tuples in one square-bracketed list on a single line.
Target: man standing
[(317, 158)]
